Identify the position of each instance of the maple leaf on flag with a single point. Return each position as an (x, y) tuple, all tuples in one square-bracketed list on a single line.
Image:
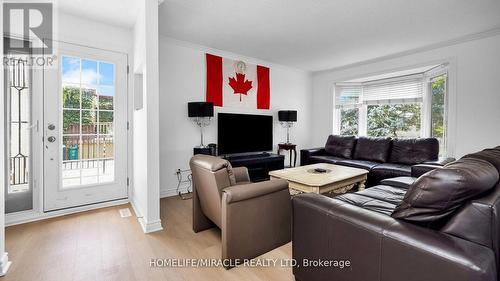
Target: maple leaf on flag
[(240, 85)]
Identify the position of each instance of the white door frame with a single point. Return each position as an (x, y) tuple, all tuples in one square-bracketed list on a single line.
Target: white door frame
[(55, 195), (38, 213)]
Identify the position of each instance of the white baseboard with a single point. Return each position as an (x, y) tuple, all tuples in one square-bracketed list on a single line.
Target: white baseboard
[(4, 264), (147, 227), (30, 216), (168, 193)]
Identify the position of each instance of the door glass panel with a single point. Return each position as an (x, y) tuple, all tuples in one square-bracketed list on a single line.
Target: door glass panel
[(71, 96), (106, 170), (70, 148), (89, 147), (89, 98), (106, 74), (88, 121), (89, 73), (106, 147), (71, 124), (106, 99), (70, 70)]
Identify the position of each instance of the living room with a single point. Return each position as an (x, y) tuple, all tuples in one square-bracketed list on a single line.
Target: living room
[(223, 140)]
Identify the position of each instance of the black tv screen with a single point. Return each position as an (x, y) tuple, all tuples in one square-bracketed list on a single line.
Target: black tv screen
[(240, 133)]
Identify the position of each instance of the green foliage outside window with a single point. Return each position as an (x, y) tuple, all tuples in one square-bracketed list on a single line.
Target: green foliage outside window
[(349, 121), (437, 110), (71, 100), (394, 120), (400, 120)]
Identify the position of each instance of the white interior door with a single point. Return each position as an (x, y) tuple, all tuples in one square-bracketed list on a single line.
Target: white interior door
[(85, 128)]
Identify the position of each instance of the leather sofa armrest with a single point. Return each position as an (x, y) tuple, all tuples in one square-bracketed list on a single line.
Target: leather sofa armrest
[(441, 161), (241, 174), (420, 169), (325, 228), (306, 153), (256, 218)]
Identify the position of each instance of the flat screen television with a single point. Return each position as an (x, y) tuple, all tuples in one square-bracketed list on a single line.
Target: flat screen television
[(242, 133)]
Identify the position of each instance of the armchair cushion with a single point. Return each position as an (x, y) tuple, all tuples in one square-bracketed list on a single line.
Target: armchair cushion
[(438, 193), (256, 218), (340, 146), (241, 175), (214, 164)]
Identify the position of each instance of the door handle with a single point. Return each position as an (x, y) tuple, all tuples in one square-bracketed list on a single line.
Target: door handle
[(51, 139)]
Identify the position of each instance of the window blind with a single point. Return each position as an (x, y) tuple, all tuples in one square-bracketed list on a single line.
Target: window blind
[(347, 95), (394, 91)]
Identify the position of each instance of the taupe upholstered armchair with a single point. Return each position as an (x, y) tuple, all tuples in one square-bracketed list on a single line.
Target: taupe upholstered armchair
[(254, 218)]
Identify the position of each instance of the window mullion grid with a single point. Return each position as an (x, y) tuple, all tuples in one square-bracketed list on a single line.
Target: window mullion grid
[(362, 115), (445, 115), (98, 123), (425, 122), (80, 138), (336, 110)]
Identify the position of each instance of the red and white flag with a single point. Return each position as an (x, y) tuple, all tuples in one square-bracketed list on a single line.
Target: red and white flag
[(237, 84)]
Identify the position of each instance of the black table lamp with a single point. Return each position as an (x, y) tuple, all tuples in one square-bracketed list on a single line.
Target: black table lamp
[(201, 113), (287, 118)]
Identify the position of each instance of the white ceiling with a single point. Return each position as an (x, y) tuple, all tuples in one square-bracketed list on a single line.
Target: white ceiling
[(321, 34), (115, 12)]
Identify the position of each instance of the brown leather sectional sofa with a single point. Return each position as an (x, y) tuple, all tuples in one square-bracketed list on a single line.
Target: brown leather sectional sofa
[(383, 157), (443, 225)]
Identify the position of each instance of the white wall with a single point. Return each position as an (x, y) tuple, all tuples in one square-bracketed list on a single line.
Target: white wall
[(182, 79), (140, 145), (145, 195), (94, 34), (474, 90)]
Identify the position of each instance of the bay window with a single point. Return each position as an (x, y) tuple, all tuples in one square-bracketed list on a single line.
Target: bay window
[(409, 106)]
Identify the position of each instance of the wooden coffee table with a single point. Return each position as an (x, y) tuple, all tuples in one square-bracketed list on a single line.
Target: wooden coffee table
[(337, 179)]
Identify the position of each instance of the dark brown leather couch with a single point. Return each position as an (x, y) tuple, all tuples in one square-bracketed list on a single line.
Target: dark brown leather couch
[(444, 225), (254, 218), (383, 157)]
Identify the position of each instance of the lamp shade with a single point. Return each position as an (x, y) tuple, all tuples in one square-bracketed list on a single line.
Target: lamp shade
[(287, 116), (200, 109)]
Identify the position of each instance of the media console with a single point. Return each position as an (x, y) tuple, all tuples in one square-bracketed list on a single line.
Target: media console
[(258, 165)]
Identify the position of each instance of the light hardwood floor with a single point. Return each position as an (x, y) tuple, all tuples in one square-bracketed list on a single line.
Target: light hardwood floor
[(100, 245)]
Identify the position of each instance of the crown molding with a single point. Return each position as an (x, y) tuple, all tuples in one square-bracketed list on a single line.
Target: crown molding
[(459, 40)]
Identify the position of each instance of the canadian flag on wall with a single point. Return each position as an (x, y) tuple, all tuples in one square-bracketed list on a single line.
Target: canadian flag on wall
[(237, 84)]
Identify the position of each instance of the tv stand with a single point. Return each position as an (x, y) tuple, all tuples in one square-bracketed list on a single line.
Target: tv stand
[(259, 165)]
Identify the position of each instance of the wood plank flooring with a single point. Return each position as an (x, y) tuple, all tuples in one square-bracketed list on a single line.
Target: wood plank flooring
[(100, 245)]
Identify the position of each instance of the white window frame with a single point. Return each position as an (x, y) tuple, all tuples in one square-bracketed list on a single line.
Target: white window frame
[(425, 126)]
